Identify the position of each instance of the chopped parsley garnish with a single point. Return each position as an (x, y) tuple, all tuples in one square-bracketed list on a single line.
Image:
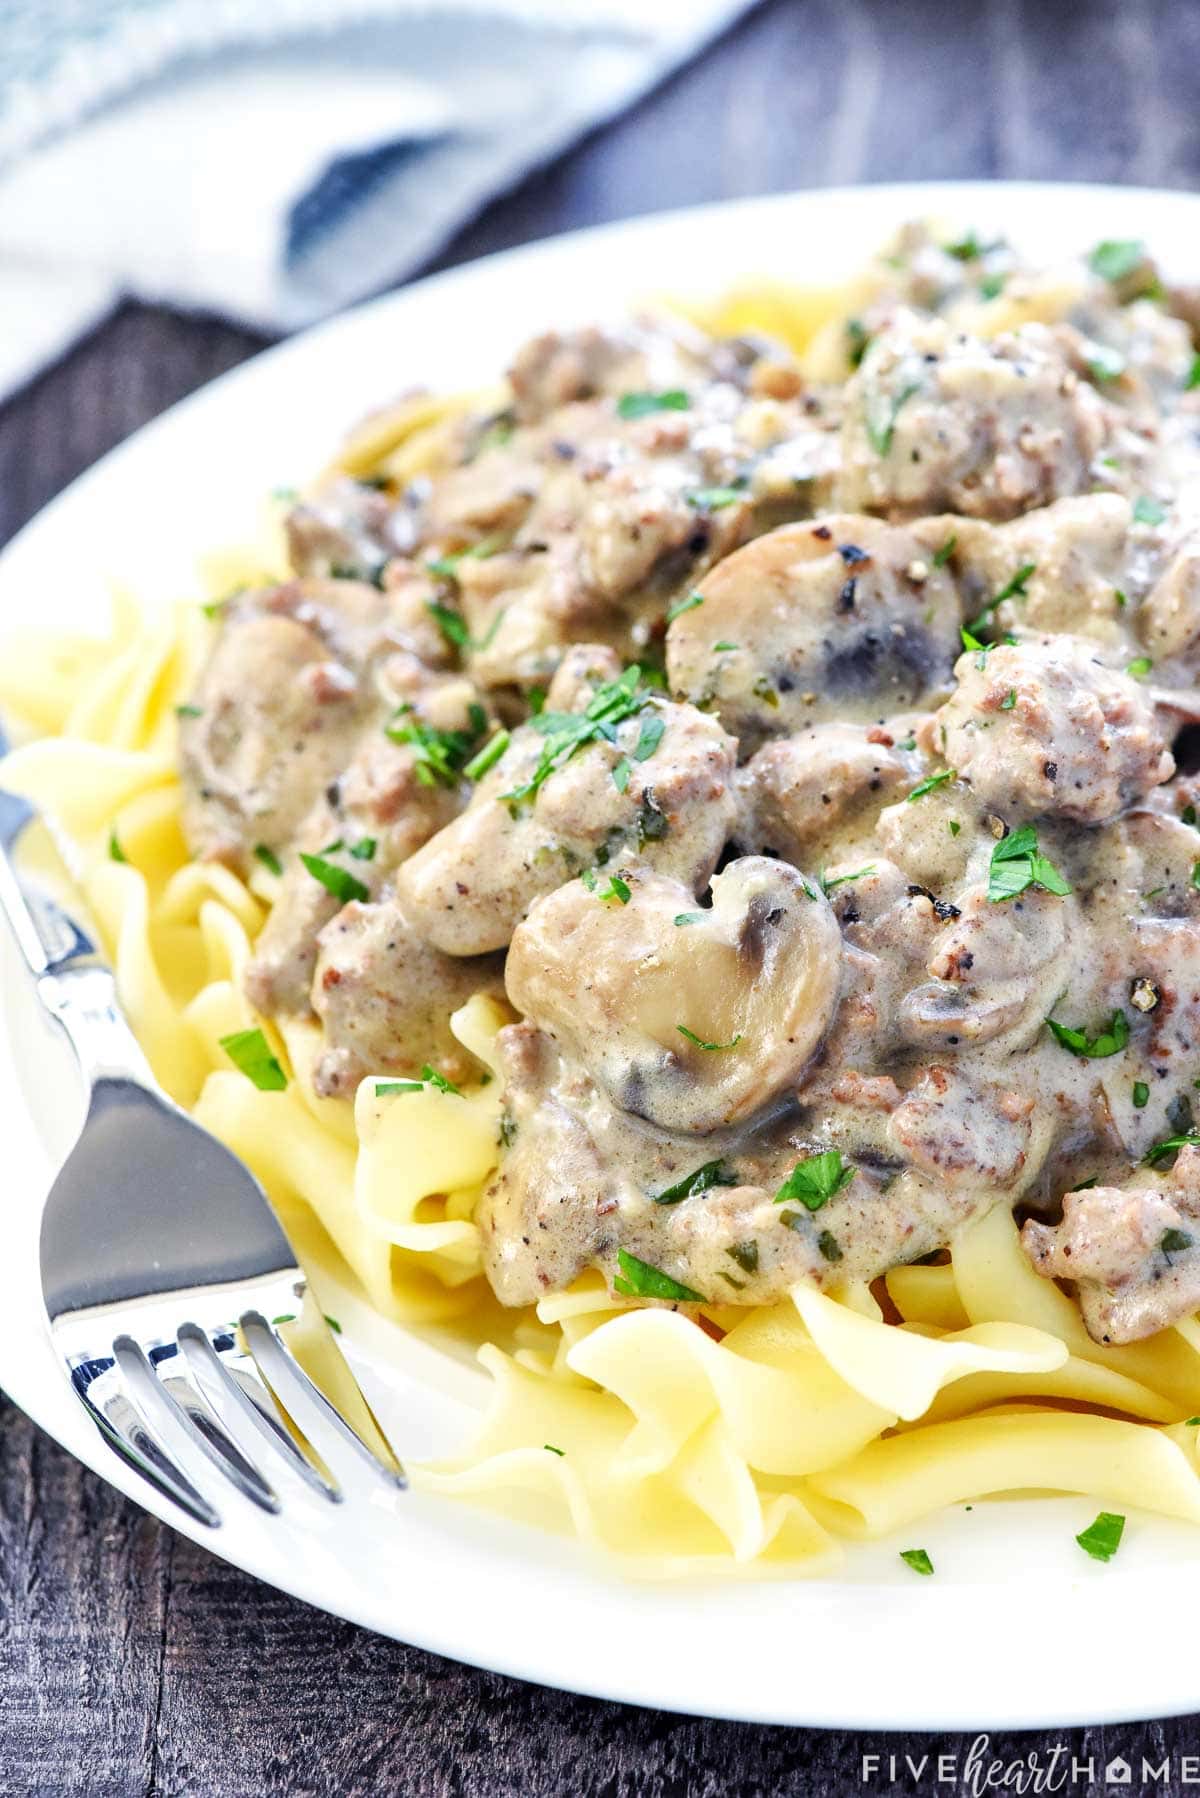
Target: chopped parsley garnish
[(1017, 863), (364, 849), (724, 645), (1104, 363), (929, 784), (764, 689), (992, 286), (829, 1246), (622, 769), (1009, 700), (285, 1317), (1173, 1242), (1120, 598), (943, 555), (189, 711), (613, 888), (115, 851), (745, 1254), (701, 1044), (446, 567), (918, 1559), (250, 1053), (1188, 815), (452, 624), (1193, 375), (1140, 667), (713, 1173), (1015, 588), (687, 604), (954, 827), (816, 1180), (1116, 258), (1102, 1538), (828, 882), (488, 756), (641, 405), (638, 1280), (431, 1077), (388, 1089), (712, 499), (1148, 511), (880, 435), (689, 917), (1170, 1146), (567, 732), (1196, 874), (267, 856), (1109, 1041), (550, 1449), (333, 1323), (857, 340), (339, 881), (649, 737), (1141, 1095), (440, 755)]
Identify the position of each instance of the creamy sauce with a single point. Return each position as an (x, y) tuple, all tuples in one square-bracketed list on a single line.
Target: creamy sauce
[(789, 753)]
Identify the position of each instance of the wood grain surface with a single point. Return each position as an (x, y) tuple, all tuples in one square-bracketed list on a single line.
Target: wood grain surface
[(133, 1663)]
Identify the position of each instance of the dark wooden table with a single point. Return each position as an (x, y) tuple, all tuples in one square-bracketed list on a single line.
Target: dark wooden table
[(133, 1663)]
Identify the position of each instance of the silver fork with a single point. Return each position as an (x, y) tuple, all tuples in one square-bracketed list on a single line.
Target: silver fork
[(164, 1270)]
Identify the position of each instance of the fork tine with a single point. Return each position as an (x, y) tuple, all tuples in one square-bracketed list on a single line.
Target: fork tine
[(233, 1386), (307, 1406), (100, 1389), (177, 1406)]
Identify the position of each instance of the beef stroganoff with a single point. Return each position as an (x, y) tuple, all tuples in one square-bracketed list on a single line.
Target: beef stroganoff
[(700, 845)]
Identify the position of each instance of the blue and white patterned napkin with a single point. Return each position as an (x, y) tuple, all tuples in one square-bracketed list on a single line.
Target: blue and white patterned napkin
[(275, 159)]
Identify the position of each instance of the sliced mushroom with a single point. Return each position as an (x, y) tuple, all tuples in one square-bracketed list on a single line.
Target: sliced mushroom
[(839, 618), (690, 1019)]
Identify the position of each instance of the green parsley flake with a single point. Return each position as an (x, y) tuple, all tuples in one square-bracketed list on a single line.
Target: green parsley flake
[(1141, 1095), (440, 755), (364, 849), (1120, 598), (1009, 700), (943, 555), (1193, 376), (566, 733), (689, 917), (1169, 1146), (622, 768), (250, 1053), (687, 604), (1015, 588), (1104, 363), (816, 1180), (638, 1280), (649, 737), (452, 624), (881, 434), (389, 1089), (1196, 874), (713, 499), (550, 1449), (745, 1254), (829, 882), (1017, 864), (1102, 1538), (115, 851), (431, 1077), (189, 711), (488, 756), (713, 1173), (641, 405), (614, 887), (1117, 258), (701, 1044), (1148, 511), (1109, 1041), (829, 1246), (724, 646), (954, 827), (918, 1559), (344, 886), (1173, 1242), (932, 782), (267, 856), (1140, 667), (333, 1323)]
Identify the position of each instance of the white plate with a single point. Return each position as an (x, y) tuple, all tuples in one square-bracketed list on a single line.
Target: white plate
[(1017, 1629)]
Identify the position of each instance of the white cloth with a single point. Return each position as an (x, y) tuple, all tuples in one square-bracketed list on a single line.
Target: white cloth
[(275, 159)]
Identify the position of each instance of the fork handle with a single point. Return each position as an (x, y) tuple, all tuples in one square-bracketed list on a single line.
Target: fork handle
[(72, 981)]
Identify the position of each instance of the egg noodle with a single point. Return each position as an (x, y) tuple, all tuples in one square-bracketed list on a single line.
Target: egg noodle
[(762, 1438)]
